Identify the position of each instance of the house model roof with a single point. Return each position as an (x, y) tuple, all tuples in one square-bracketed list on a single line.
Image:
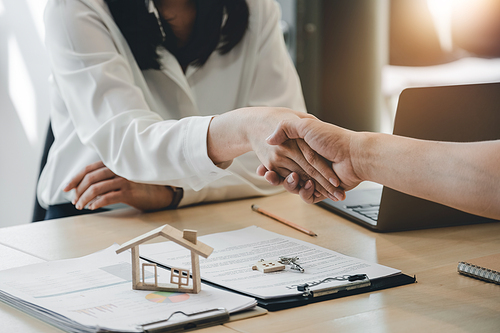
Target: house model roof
[(172, 234)]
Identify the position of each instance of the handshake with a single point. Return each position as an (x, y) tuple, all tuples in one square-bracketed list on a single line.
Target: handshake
[(324, 157)]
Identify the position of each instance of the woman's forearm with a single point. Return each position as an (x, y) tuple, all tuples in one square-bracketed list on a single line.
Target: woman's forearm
[(465, 176), (239, 131), (227, 138)]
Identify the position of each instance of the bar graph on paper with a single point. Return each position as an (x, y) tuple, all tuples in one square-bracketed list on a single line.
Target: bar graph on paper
[(96, 310)]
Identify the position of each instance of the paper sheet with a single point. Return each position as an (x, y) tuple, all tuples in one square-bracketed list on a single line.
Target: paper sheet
[(96, 292), (235, 252)]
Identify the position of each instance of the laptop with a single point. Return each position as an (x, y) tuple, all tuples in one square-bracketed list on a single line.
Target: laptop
[(459, 113)]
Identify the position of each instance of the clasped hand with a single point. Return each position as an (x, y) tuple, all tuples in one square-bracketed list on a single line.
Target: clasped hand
[(307, 172), (97, 186), (330, 142)]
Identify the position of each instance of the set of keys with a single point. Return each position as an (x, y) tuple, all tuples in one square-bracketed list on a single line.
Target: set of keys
[(292, 261), (267, 266)]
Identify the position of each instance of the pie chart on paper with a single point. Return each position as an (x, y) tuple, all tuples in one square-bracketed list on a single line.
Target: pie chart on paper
[(167, 297)]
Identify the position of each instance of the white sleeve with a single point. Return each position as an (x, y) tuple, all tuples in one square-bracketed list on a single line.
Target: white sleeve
[(109, 110), (275, 80)]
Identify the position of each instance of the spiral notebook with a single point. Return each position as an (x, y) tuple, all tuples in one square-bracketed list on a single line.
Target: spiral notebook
[(484, 268)]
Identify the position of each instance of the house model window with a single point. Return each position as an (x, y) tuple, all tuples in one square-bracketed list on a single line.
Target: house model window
[(179, 277)]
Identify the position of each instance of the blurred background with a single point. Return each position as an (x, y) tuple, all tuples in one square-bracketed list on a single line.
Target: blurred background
[(354, 59)]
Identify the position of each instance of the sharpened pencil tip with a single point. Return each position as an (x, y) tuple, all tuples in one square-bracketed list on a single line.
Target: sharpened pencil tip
[(255, 207)]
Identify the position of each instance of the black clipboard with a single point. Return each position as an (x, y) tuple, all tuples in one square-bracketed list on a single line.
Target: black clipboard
[(282, 303)]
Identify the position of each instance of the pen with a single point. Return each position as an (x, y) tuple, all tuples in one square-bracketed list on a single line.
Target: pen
[(282, 220)]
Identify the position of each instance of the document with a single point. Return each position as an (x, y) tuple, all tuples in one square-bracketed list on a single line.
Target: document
[(235, 252), (94, 293)]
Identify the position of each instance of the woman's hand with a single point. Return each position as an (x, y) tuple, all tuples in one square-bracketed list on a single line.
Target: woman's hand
[(296, 160), (293, 184), (97, 186)]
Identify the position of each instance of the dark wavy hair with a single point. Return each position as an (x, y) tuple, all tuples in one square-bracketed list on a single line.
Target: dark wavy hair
[(143, 34)]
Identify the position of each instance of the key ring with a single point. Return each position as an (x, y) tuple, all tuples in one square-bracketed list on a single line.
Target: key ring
[(292, 261)]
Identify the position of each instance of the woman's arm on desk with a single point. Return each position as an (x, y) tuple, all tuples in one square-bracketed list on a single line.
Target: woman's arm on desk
[(465, 176)]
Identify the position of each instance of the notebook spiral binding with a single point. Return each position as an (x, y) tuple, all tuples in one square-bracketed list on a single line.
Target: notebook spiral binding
[(479, 272)]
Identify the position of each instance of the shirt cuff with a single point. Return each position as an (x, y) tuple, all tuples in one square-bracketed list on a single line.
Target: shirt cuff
[(191, 197), (196, 152)]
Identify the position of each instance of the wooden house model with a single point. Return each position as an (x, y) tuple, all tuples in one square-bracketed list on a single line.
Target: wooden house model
[(179, 278)]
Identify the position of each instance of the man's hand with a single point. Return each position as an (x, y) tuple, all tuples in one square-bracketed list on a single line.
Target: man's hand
[(97, 186)]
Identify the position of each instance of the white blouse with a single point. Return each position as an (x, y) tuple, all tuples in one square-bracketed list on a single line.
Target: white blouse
[(151, 126)]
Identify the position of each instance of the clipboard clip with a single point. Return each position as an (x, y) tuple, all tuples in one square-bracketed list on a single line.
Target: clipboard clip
[(189, 321), (353, 282)]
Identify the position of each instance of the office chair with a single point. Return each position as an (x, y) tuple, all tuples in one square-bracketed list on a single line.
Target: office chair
[(39, 211)]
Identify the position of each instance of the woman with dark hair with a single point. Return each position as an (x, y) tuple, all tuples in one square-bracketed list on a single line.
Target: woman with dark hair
[(175, 93)]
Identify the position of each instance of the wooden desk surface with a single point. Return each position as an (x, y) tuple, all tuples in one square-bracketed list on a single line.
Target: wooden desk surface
[(442, 300)]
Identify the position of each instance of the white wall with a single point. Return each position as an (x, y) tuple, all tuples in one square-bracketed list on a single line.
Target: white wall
[(24, 106)]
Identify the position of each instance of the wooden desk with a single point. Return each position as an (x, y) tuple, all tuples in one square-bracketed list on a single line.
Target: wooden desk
[(442, 300)]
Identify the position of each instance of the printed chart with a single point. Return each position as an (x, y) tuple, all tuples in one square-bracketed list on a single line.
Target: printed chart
[(167, 297)]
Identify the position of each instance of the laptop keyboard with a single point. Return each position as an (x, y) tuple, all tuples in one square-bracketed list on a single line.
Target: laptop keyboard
[(368, 210)]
